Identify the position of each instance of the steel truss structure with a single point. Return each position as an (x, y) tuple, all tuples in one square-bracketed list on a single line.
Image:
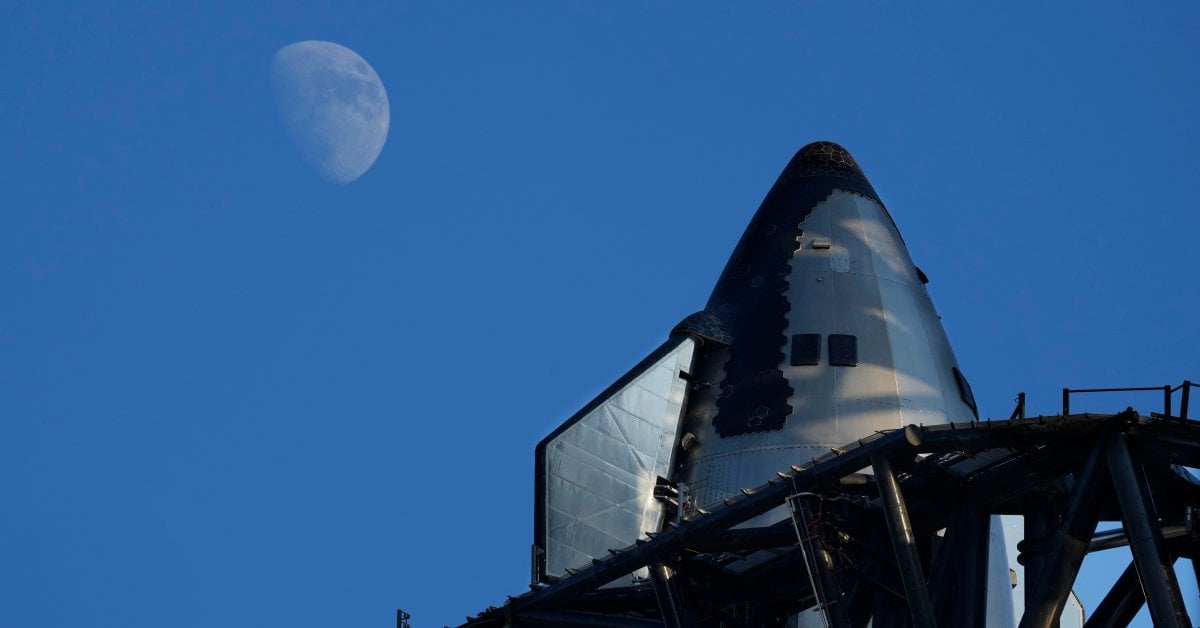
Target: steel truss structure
[(907, 543)]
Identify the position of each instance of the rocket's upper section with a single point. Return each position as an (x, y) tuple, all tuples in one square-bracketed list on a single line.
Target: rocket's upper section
[(810, 177), (821, 301), (824, 159), (819, 332)]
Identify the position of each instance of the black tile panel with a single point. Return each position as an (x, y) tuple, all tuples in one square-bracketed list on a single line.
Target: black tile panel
[(806, 349), (843, 350)]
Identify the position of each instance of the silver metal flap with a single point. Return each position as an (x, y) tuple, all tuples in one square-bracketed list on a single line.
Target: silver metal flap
[(598, 471)]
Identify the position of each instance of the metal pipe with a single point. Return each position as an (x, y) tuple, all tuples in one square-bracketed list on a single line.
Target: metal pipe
[(819, 563), (1066, 401), (670, 604), (1110, 539), (1145, 538), (1053, 583), (835, 608), (1126, 389), (1183, 400), (1120, 604), (903, 542)]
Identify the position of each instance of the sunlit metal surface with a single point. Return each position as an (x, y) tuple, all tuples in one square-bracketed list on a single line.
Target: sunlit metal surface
[(818, 341), (849, 274), (601, 470)]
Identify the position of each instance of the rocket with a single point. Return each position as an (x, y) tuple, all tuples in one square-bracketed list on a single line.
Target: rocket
[(829, 334), (819, 331)]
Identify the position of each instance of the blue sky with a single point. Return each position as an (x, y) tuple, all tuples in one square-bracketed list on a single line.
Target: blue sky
[(235, 394)]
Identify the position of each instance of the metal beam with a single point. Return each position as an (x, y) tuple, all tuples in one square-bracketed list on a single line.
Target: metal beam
[(1145, 537), (1031, 431), (1171, 443), (617, 599), (1121, 604), (1047, 458), (969, 606), (904, 542), (858, 605), (958, 579), (888, 613), (1039, 527), (1110, 539), (818, 562), (743, 539), (830, 595), (670, 603), (943, 571), (1001, 487), (1069, 545), (754, 503), (571, 619)]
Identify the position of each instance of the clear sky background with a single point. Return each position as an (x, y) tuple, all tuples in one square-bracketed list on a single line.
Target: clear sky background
[(234, 394)]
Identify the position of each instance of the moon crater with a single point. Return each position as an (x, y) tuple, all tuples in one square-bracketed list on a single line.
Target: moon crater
[(333, 106)]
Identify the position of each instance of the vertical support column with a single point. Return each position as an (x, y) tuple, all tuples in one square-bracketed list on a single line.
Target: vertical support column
[(1053, 583), (669, 601), (1039, 528), (903, 542), (958, 579), (1154, 567), (970, 597), (943, 573)]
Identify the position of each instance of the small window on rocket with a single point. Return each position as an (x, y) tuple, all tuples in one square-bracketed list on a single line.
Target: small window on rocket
[(964, 391), (843, 350), (806, 349)]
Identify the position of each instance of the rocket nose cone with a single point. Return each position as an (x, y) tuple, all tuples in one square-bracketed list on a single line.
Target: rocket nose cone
[(823, 159), (824, 166)]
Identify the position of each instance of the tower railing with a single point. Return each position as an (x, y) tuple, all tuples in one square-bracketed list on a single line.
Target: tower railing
[(1167, 390)]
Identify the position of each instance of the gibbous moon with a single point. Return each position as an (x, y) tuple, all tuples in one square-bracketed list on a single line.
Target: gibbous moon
[(333, 105)]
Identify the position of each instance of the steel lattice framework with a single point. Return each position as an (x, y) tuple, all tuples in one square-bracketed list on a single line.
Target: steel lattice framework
[(906, 543)]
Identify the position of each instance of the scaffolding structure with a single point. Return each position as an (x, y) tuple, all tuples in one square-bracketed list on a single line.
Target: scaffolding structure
[(893, 530)]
